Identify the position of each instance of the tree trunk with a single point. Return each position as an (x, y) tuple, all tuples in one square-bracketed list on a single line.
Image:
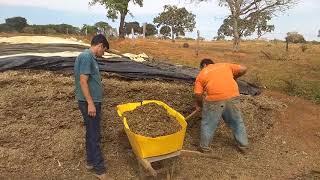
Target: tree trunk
[(235, 13), (121, 27), (172, 35), (236, 37), (144, 30), (198, 39)]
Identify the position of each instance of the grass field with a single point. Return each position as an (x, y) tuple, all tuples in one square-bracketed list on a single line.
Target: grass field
[(295, 72)]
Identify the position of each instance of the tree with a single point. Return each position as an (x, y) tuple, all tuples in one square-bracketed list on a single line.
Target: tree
[(252, 14), (295, 37), (256, 24), (115, 9), (319, 33), (165, 31), (128, 26), (179, 19), (103, 27), (219, 37), (112, 32), (63, 28), (151, 30), (17, 23), (87, 29)]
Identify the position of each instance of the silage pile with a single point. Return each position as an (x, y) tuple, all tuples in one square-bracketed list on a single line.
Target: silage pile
[(152, 120), (41, 130)]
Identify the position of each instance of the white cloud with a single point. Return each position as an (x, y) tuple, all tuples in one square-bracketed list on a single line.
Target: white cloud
[(156, 7), (149, 6), (63, 5)]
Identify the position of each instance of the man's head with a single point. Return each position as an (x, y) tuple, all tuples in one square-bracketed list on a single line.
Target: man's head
[(99, 45), (205, 62)]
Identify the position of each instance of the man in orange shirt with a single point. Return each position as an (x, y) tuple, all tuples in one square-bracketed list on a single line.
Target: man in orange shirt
[(217, 93)]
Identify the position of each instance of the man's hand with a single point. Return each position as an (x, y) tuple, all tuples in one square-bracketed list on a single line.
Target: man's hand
[(92, 110), (242, 71)]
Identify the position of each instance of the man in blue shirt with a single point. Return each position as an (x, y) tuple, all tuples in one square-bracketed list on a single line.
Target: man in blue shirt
[(89, 96)]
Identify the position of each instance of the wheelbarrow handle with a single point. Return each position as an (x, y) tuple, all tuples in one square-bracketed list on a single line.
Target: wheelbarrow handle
[(192, 114)]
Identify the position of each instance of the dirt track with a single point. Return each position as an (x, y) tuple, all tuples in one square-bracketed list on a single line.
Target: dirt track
[(42, 134)]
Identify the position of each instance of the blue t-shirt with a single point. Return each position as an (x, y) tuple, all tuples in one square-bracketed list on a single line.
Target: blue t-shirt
[(86, 64)]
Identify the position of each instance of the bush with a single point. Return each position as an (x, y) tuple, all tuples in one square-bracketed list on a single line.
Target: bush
[(314, 42), (276, 41), (185, 45), (28, 29), (280, 55), (256, 80), (304, 47), (290, 86), (5, 28), (50, 31)]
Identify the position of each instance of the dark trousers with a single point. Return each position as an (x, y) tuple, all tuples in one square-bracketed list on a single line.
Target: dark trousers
[(92, 124)]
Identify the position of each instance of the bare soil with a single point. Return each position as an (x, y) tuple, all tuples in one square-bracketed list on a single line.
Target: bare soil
[(42, 133), (152, 120)]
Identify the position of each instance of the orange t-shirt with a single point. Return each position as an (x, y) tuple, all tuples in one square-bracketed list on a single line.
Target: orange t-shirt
[(216, 81)]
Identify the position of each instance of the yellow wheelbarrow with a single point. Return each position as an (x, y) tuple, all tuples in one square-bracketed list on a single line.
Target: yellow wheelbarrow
[(148, 149)]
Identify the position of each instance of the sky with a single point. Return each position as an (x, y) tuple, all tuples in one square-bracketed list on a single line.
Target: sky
[(302, 18)]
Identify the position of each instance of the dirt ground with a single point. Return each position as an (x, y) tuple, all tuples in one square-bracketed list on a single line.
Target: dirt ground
[(151, 120), (42, 133)]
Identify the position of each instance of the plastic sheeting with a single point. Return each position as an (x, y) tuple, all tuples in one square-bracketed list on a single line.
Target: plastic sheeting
[(123, 67), (120, 66)]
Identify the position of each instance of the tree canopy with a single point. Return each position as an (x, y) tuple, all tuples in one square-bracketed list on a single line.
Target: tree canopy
[(117, 9), (179, 19)]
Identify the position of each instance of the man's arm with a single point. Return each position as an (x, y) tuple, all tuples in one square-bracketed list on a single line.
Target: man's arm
[(242, 70), (198, 99), (198, 91), (86, 93)]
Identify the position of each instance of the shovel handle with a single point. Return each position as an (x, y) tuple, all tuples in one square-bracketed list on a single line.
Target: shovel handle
[(192, 114)]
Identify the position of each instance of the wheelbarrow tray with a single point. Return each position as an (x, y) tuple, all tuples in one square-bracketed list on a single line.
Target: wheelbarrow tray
[(145, 147)]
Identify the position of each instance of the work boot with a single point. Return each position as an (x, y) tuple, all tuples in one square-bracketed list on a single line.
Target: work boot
[(242, 149), (103, 176), (205, 150)]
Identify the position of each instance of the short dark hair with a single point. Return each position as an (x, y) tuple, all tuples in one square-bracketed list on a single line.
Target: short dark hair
[(97, 39), (205, 62)]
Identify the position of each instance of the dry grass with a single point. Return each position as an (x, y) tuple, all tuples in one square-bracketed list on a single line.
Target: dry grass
[(298, 67)]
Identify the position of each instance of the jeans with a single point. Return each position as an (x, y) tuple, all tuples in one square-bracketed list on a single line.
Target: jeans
[(230, 112), (92, 124)]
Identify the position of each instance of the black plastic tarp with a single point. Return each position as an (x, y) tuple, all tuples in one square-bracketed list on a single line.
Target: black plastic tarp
[(121, 66)]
